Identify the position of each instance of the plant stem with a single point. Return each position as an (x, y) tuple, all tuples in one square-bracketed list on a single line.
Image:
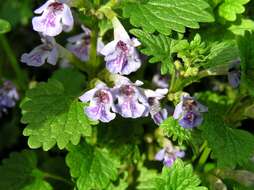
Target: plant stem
[(64, 53), (58, 178), (21, 78), (173, 81), (94, 62), (204, 156)]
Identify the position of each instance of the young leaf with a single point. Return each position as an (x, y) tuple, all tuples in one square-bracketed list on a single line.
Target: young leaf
[(54, 114), (178, 177), (93, 167), (156, 46), (245, 25), (229, 146), (230, 8), (4, 26), (20, 172), (164, 15), (171, 128)]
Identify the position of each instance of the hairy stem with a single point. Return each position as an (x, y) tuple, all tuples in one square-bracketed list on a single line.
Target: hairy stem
[(57, 178), (21, 78)]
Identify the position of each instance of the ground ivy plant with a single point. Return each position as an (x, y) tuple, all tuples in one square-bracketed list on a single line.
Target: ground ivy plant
[(127, 94)]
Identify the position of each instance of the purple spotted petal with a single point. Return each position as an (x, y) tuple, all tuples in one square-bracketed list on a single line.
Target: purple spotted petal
[(131, 102), (121, 58), (46, 51), (101, 102), (159, 117), (191, 120), (37, 56), (168, 161), (130, 109), (100, 112), (55, 17)]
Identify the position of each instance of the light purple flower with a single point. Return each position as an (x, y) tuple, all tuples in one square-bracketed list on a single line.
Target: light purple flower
[(8, 96), (157, 113), (131, 101), (161, 81), (189, 112), (46, 51), (101, 102), (169, 154), (234, 73), (55, 17), (80, 44), (120, 54)]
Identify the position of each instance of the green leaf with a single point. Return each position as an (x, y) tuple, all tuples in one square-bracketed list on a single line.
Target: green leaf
[(178, 177), (229, 146), (244, 25), (54, 114), (156, 46), (246, 46), (4, 26), (221, 53), (230, 8), (93, 167), (164, 15), (19, 172), (171, 128)]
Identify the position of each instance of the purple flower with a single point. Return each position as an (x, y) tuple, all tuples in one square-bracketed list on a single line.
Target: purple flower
[(131, 101), (56, 16), (120, 55), (157, 113), (46, 51), (101, 101), (161, 81), (80, 44), (169, 154), (188, 112), (234, 74), (8, 96)]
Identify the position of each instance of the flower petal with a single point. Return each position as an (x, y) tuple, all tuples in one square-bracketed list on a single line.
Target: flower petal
[(109, 48), (160, 155), (88, 96), (67, 18), (119, 31), (36, 57)]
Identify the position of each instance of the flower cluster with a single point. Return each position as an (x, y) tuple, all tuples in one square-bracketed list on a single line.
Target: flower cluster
[(169, 154), (8, 96), (125, 98), (56, 17), (121, 58), (189, 112)]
